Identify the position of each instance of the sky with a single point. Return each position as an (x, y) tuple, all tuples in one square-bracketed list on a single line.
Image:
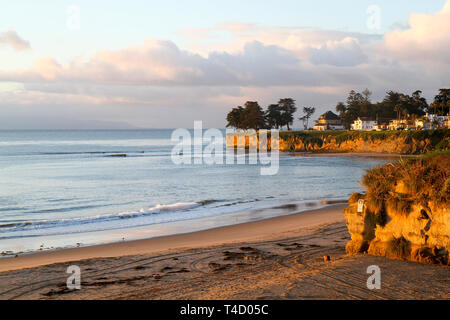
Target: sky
[(165, 64)]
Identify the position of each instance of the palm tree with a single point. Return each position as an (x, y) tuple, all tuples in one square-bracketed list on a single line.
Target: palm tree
[(308, 112), (341, 108)]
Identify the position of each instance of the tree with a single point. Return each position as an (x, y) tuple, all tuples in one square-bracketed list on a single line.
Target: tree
[(355, 101), (367, 94), (341, 108), (420, 103), (235, 118), (396, 105), (253, 116), (273, 116), (441, 103), (308, 112), (288, 108)]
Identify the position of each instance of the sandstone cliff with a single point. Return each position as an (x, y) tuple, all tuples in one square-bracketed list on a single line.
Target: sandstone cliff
[(393, 142), (389, 142), (406, 211)]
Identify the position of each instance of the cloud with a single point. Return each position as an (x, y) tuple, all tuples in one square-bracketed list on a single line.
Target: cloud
[(12, 39), (231, 37), (162, 63), (344, 53), (425, 41), (223, 66)]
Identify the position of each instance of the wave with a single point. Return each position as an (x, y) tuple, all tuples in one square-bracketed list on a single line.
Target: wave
[(44, 224)]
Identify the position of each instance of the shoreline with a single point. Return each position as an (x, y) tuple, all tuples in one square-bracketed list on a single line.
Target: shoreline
[(261, 229), (355, 154), (279, 258)]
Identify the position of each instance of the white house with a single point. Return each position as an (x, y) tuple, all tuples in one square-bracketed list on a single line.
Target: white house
[(435, 120), (363, 124), (396, 124), (422, 123)]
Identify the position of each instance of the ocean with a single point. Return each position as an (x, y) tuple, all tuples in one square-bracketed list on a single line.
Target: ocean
[(62, 189)]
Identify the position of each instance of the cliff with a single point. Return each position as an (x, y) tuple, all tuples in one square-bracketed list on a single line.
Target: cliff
[(405, 212), (389, 142), (398, 142)]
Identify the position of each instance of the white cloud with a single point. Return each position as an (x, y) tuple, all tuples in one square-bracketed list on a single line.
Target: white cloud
[(161, 62), (344, 53), (12, 39), (231, 37), (426, 41)]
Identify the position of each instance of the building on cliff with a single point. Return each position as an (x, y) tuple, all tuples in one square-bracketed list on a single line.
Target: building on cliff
[(380, 126), (329, 121), (363, 124), (437, 121), (401, 124)]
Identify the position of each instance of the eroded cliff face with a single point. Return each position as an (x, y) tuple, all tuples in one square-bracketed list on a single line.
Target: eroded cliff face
[(393, 145), (358, 142), (423, 235), (408, 221)]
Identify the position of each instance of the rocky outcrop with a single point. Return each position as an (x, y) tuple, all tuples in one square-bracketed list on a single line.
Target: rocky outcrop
[(402, 220)]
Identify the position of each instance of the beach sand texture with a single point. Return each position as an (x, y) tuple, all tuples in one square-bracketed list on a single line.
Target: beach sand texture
[(278, 258)]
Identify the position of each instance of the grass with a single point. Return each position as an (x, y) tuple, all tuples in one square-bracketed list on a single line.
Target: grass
[(399, 185)]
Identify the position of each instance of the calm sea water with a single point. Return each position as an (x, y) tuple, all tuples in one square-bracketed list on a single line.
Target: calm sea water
[(60, 188)]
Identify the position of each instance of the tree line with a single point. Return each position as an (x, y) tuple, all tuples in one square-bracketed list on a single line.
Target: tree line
[(395, 105), (252, 116)]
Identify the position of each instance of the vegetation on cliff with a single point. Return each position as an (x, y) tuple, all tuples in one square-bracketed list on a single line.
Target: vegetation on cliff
[(406, 210), (407, 182)]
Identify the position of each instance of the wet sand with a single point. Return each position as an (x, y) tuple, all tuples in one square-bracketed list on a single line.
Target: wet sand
[(278, 258)]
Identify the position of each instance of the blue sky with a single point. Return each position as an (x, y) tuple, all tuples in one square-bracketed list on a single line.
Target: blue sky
[(339, 45)]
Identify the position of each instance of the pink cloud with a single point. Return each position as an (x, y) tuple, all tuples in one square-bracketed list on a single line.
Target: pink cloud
[(12, 39), (426, 40)]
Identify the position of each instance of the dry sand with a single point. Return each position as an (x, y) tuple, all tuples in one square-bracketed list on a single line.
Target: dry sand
[(278, 258)]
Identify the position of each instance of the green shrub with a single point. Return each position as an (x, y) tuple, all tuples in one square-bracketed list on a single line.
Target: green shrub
[(425, 179)]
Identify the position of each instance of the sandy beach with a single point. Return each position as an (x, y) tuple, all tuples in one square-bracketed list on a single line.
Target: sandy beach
[(278, 258)]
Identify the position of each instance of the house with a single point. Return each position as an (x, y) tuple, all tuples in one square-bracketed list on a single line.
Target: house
[(329, 121), (380, 126), (423, 123), (401, 124), (436, 121), (363, 124)]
